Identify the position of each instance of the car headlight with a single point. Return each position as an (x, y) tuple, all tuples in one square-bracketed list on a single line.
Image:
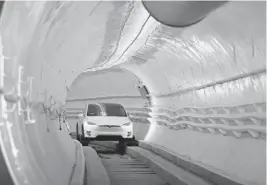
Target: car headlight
[(127, 124), (90, 123)]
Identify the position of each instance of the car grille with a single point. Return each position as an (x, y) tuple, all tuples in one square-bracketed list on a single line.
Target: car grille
[(109, 126)]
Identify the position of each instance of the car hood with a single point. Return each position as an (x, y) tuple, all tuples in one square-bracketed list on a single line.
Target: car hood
[(108, 120)]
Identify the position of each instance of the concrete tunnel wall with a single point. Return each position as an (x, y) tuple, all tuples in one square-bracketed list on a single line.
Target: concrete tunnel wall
[(214, 67)]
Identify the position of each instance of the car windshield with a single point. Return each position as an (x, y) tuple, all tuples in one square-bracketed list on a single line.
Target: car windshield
[(94, 110), (115, 110)]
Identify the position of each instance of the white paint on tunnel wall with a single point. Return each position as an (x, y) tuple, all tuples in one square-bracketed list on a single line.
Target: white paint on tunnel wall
[(235, 158), (53, 47), (193, 64)]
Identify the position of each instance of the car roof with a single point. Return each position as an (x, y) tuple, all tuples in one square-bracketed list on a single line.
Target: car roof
[(104, 104), (115, 104)]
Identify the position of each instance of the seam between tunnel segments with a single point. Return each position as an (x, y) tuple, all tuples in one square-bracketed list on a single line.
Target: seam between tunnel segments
[(134, 38), (96, 6), (235, 78), (103, 65), (120, 35)]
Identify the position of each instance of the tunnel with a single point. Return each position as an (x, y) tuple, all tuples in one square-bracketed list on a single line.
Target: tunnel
[(205, 78), (122, 87)]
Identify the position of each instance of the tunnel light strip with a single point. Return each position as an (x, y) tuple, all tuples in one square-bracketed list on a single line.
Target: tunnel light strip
[(253, 130), (188, 110), (140, 111), (105, 97), (244, 128), (254, 116), (224, 120), (261, 115), (239, 77), (258, 106), (235, 121)]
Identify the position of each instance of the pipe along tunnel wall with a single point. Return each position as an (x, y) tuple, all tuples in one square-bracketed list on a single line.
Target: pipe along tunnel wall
[(207, 82)]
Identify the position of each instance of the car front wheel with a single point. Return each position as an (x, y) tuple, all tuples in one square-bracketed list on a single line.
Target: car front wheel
[(84, 141), (121, 147), (77, 132)]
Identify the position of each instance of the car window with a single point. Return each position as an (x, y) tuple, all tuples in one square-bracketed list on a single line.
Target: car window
[(115, 110), (94, 110)]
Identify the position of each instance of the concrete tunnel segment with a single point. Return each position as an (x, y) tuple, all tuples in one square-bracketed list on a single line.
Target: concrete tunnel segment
[(210, 73)]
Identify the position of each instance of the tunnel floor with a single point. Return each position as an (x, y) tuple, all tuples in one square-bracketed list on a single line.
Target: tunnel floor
[(124, 169)]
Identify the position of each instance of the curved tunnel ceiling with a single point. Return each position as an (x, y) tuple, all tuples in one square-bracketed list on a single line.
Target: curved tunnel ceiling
[(189, 56), (142, 42), (194, 51), (109, 85), (95, 84)]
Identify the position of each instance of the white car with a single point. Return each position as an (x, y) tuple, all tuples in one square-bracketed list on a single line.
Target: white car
[(104, 122)]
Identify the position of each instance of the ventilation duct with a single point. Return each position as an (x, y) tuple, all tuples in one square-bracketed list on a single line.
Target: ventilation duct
[(181, 13)]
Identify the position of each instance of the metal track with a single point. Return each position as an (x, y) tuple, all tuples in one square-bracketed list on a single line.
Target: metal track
[(123, 169)]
